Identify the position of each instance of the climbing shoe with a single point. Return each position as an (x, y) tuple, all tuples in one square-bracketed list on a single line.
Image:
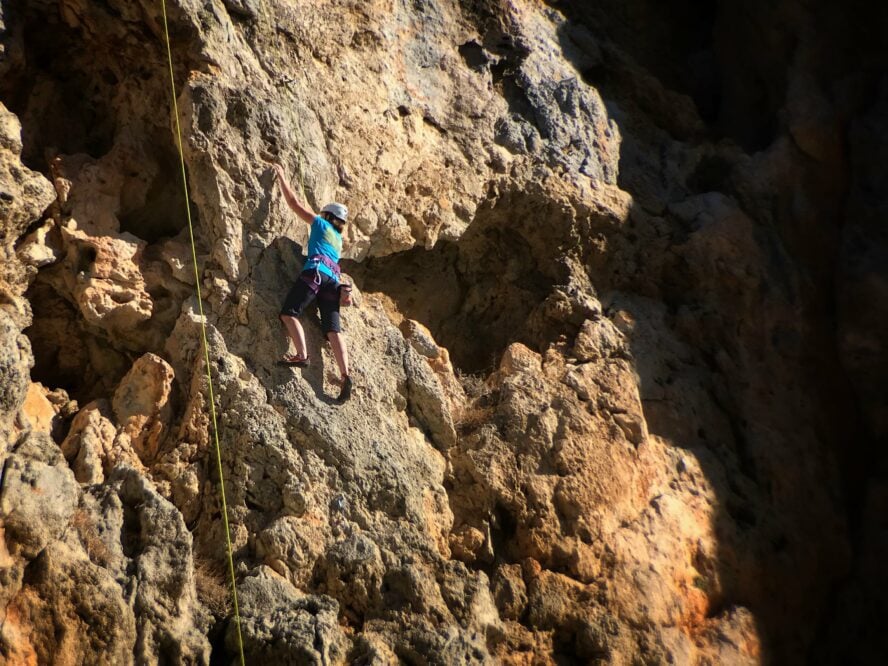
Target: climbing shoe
[(293, 360), (346, 390)]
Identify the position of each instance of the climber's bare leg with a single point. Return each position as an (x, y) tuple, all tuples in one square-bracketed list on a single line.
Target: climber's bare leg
[(296, 333), (340, 352)]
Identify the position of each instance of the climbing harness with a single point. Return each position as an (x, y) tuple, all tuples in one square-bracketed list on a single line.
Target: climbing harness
[(203, 329), (328, 262)]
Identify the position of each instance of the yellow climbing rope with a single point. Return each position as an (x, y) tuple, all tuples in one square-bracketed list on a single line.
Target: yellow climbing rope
[(203, 329)]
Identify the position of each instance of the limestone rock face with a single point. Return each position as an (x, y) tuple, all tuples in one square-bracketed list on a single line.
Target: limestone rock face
[(72, 611), (25, 196), (141, 405), (108, 290), (15, 361), (284, 628), (39, 497), (618, 389)]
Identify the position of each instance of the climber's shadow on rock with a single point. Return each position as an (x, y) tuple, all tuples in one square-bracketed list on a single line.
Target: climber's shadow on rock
[(315, 342)]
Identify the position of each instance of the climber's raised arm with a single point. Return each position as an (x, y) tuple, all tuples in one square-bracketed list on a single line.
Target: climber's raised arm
[(302, 210)]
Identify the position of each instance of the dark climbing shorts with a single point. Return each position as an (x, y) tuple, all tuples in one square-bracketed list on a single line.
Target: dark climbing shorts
[(306, 290)]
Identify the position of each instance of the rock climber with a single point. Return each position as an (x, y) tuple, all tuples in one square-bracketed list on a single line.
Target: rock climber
[(320, 278)]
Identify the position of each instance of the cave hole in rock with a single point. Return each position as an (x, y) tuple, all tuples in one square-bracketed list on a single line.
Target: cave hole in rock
[(89, 360), (155, 210), (60, 87), (474, 56), (712, 173), (481, 293), (219, 653), (66, 354), (504, 527), (66, 86)]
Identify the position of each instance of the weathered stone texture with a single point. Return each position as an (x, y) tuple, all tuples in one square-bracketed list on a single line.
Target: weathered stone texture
[(616, 363)]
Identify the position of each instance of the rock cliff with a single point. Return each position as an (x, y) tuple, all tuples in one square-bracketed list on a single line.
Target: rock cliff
[(620, 384)]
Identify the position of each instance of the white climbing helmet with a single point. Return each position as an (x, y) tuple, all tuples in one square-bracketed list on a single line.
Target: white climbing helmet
[(337, 209)]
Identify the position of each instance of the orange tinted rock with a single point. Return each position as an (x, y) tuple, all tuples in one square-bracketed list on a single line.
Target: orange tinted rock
[(103, 276), (38, 410), (141, 405)]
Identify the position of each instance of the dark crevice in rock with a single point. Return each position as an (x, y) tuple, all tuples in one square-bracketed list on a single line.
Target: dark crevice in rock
[(159, 214), (64, 352), (63, 101), (67, 87), (474, 55), (503, 528), (712, 173), (493, 287), (131, 532), (431, 287), (219, 654)]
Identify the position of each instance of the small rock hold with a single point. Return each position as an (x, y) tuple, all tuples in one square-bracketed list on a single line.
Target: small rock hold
[(597, 339), (465, 542), (338, 504), (632, 426), (518, 358)]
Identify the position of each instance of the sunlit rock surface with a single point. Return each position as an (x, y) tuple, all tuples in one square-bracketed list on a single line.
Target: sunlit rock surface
[(620, 278)]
